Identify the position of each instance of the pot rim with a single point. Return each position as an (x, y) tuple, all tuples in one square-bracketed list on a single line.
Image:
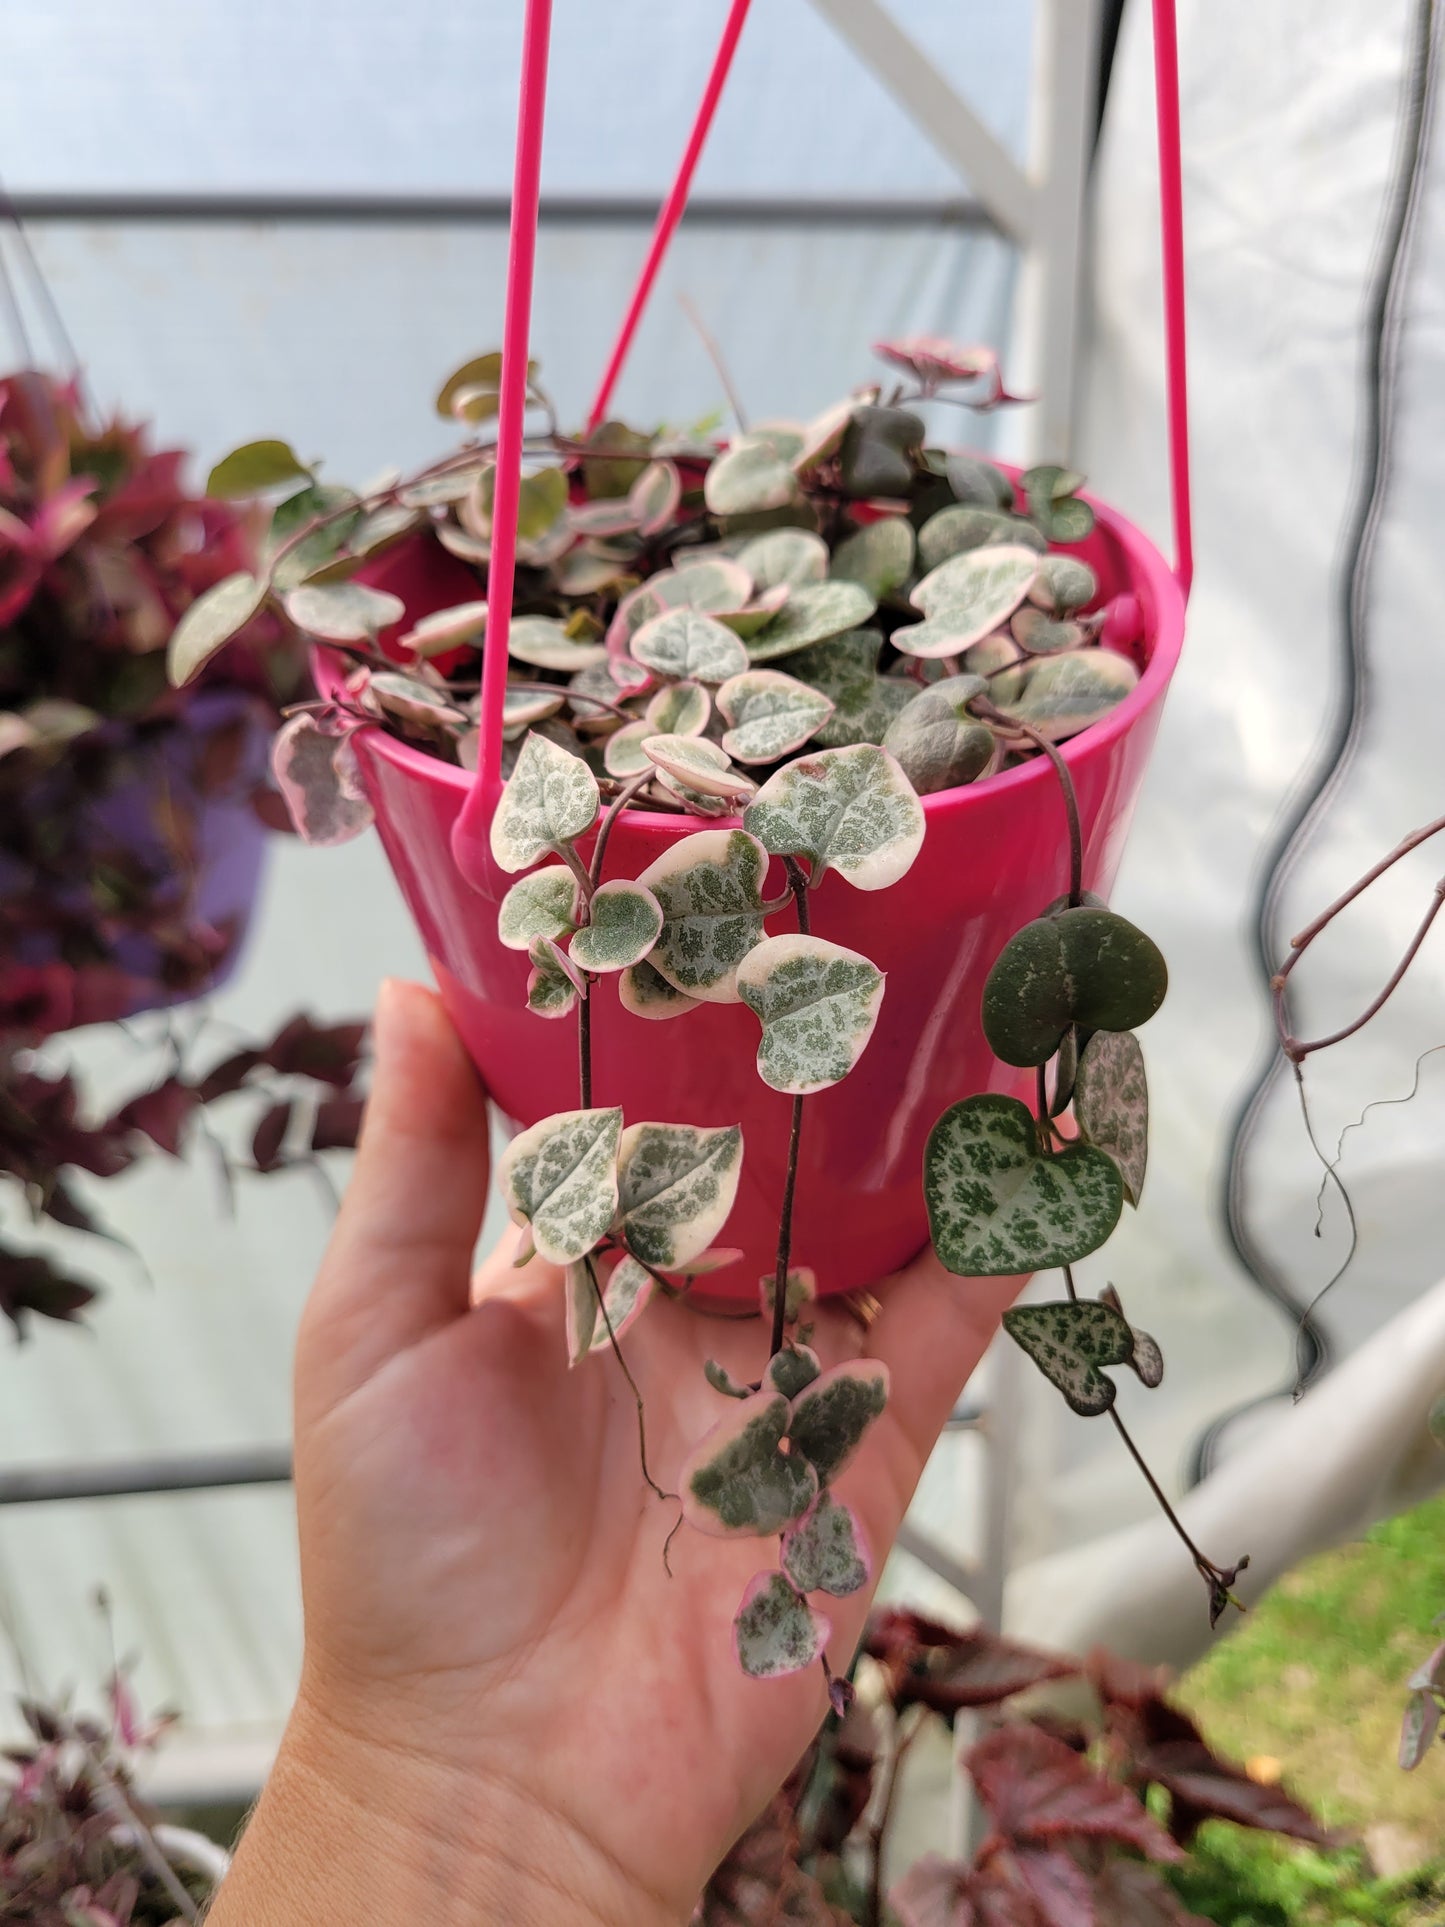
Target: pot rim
[(1147, 569)]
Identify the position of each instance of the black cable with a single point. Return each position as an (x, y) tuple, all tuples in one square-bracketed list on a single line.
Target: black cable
[(1320, 782)]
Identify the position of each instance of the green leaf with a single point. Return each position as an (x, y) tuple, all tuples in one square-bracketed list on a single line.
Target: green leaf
[(776, 1631), (541, 502), (411, 700), (582, 1319), (445, 628), (621, 454), (831, 1416), (323, 545), (319, 783), (624, 922), (560, 1177), (737, 1483), (845, 670), (1084, 966), (343, 611), (1064, 694), (1069, 1342), (998, 1206), (1053, 503), (1040, 635), (710, 887), (378, 529), (722, 1381), (623, 754), (749, 477), (826, 1551), (523, 706), (699, 765), (678, 1183), (878, 449), (472, 392), (550, 799), (878, 556), (211, 622), (654, 497), (966, 598), (554, 984), (1064, 584), (644, 992), (792, 1370), (939, 746), (817, 1004), (255, 467), (978, 482), (811, 614), (784, 558), (1111, 1104), (689, 645), (679, 709), (626, 1295), (956, 530), (539, 905), (1145, 1358), (770, 715), (543, 642), (849, 810), (800, 1290)]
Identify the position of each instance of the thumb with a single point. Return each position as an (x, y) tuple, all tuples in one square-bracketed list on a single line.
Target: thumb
[(398, 1266)]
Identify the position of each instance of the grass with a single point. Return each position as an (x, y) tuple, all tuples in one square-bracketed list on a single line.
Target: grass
[(1314, 1679)]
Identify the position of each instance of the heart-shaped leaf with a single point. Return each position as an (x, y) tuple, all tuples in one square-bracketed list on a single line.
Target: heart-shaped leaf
[(991, 659), (998, 1205), (811, 614), (1146, 1358), (543, 642), (624, 922), (555, 983), (710, 887), (1040, 635), (785, 558), (749, 477), (677, 1185), (938, 745), (845, 670), (1064, 694), (978, 483), (481, 373), (876, 457), (817, 1004), (770, 715), (679, 709), (823, 436), (956, 530), (625, 1297), (623, 754), (653, 498), (689, 645), (210, 623), (252, 469), (581, 1308), (745, 623), (792, 1370), (1064, 583), (849, 810), (776, 1631), (410, 700), (1069, 1342), (560, 1178), (343, 611), (699, 765), (319, 782), (539, 905), (801, 1290), (1085, 966), (826, 1551), (444, 629), (644, 992), (1111, 1104), (737, 1483), (971, 594), (551, 798), (1053, 503), (829, 1419), (878, 556)]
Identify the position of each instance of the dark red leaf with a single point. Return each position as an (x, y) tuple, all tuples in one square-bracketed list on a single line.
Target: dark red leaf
[(1038, 1792), (161, 1114), (1124, 1682), (30, 1283), (1059, 1888), (338, 1124), (935, 1893), (61, 1204), (222, 757), (1127, 1893), (329, 1053), (928, 1664), (227, 1076), (270, 807), (269, 1136)]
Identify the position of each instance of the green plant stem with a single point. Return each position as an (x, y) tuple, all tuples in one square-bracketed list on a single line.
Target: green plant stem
[(798, 879)]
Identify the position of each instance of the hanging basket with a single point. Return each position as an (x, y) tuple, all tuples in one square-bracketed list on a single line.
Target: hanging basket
[(994, 854)]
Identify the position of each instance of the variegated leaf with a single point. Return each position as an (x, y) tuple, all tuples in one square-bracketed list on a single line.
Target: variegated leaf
[(389, 693), (677, 1183), (938, 744), (878, 556), (1146, 1358), (623, 754), (654, 497), (770, 715), (343, 611), (737, 1483), (802, 1290), (543, 642), (1069, 1342), (776, 1631), (826, 1551), (959, 528), (624, 921), (1111, 1104), (645, 992), (550, 799), (582, 1319), (817, 1004), (830, 1417), (211, 622), (792, 1370), (811, 614), (690, 646), (698, 765), (845, 670), (710, 887), (319, 784), (1040, 635), (849, 810), (971, 594), (554, 984), (625, 1297), (521, 707), (785, 558), (539, 905), (444, 629), (560, 1178), (745, 623), (1064, 694), (749, 477), (679, 709), (998, 1206), (1064, 584)]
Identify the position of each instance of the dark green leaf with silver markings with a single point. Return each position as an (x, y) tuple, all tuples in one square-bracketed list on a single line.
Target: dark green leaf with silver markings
[(826, 1551), (1084, 966), (1111, 1103), (776, 1631), (1069, 1342), (830, 1417), (938, 744), (737, 1483)]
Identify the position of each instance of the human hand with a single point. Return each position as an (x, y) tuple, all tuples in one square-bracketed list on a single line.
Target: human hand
[(508, 1710)]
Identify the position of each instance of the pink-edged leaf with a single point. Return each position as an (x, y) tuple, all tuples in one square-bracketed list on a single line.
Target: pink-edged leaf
[(776, 1631), (625, 1296), (737, 1483), (826, 1550), (304, 763), (828, 1420)]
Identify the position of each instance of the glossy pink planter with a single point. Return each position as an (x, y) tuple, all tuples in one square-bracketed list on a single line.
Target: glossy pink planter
[(994, 855)]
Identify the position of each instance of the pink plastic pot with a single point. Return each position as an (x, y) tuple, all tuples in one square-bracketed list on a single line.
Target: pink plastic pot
[(993, 856)]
